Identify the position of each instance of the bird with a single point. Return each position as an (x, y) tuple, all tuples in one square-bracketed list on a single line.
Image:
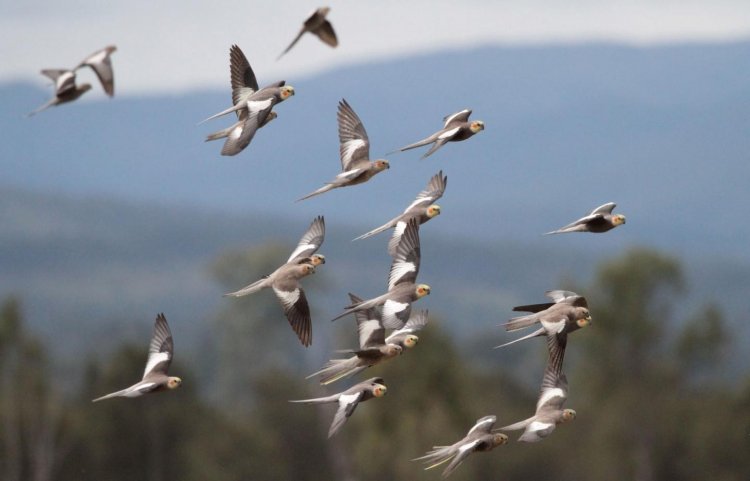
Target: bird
[(402, 289), (354, 150), (285, 280), (373, 348), (480, 438), (549, 407), (316, 24), (101, 63), (348, 400), (244, 84), (155, 377), (599, 220), (422, 208), (567, 313), (66, 89), (456, 127)]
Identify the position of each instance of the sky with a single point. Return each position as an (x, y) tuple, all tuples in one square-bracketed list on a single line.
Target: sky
[(172, 46)]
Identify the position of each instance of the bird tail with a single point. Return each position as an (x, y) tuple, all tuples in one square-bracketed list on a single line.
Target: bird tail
[(520, 322), (538, 332), (377, 230), (516, 426), (43, 107), (439, 455), (323, 189), (317, 400), (422, 142), (231, 109), (254, 287), (337, 369), (114, 394)]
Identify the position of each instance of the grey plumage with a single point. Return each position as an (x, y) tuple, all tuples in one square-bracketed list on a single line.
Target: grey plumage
[(349, 400), (101, 63), (599, 220), (66, 89), (456, 127), (480, 438), (316, 24)]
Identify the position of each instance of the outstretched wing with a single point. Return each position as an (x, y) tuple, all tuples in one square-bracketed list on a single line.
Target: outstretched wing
[(297, 312), (453, 120), (242, 76), (354, 145), (604, 209), (347, 405), (161, 349), (369, 325), (405, 265), (311, 240), (434, 190)]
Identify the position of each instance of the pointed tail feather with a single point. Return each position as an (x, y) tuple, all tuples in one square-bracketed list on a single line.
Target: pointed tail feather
[(538, 332), (323, 189), (254, 287), (337, 369), (219, 135), (318, 400), (109, 396), (377, 230), (439, 455), (231, 109), (516, 426), (520, 322)]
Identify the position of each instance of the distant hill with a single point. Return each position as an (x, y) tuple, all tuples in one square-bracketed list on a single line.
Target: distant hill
[(663, 131), (92, 271)]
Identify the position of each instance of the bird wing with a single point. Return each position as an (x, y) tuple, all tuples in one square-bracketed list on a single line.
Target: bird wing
[(405, 265), (101, 64), (294, 42), (161, 348), (238, 139), (554, 390), (65, 80), (347, 405), (369, 326), (354, 145), (464, 450), (326, 33), (311, 240), (242, 76), (434, 190), (483, 425), (414, 324), (604, 209), (452, 120), (297, 311)]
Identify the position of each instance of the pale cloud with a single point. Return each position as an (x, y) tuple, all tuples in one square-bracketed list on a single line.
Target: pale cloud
[(180, 45)]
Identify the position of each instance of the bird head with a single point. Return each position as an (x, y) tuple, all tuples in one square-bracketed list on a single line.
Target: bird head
[(568, 415), (393, 350), (499, 439), (411, 340), (422, 290), (618, 219), (381, 164), (379, 390), (323, 11), (584, 317), (476, 126), (174, 382), (308, 269), (317, 259), (286, 91), (433, 210)]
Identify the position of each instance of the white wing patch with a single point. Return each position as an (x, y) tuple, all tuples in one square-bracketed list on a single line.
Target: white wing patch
[(236, 133), (537, 426), (550, 394), (349, 148), (555, 327), (468, 446), (301, 248), (287, 298), (153, 360), (390, 310), (400, 269), (481, 425), (347, 399), (256, 105), (448, 134)]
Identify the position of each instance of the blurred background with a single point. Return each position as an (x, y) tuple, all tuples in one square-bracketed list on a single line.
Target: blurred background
[(113, 210)]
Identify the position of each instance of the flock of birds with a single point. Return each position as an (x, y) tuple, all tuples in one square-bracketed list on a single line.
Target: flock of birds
[(390, 311)]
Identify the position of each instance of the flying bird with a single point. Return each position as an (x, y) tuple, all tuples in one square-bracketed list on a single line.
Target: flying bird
[(244, 85), (354, 149), (101, 63), (423, 208), (402, 289), (349, 399), (373, 348), (316, 24), (480, 438), (405, 336), (285, 280), (66, 89), (549, 408), (567, 313), (599, 220), (456, 127), (155, 377)]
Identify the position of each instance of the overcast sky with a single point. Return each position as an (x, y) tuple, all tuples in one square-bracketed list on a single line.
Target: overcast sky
[(171, 45)]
